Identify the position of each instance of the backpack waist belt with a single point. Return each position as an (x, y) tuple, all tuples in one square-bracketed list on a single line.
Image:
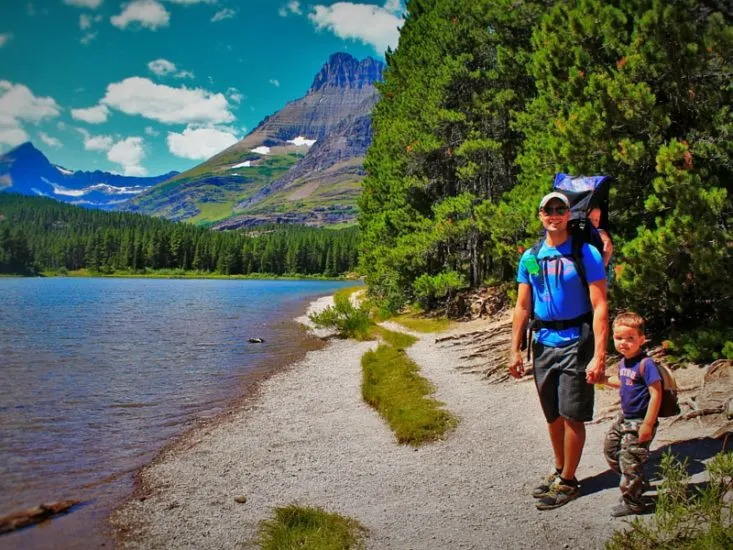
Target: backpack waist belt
[(584, 321), (586, 318)]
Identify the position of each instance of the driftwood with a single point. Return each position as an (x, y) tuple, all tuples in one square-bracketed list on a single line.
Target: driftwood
[(37, 514), (698, 412)]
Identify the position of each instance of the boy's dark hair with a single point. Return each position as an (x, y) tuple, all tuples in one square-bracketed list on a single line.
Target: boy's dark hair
[(631, 320)]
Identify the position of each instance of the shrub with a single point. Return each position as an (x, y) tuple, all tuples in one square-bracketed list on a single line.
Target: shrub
[(348, 320), (305, 528), (683, 520)]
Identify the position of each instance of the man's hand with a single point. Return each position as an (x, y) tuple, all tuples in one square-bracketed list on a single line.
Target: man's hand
[(645, 432), (516, 364), (595, 370)]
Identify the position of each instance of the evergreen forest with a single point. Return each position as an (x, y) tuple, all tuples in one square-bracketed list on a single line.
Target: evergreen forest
[(39, 234), (483, 101)]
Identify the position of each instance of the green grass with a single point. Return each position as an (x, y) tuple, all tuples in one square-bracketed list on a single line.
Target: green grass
[(398, 340), (304, 528), (211, 212), (422, 325), (348, 291), (391, 383)]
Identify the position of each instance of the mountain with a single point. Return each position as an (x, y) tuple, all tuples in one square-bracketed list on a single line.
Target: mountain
[(25, 170), (302, 164)]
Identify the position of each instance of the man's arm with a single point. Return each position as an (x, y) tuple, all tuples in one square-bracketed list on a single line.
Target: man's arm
[(650, 419), (519, 325), (599, 301)]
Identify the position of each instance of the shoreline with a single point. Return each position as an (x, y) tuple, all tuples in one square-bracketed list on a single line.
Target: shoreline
[(248, 392), (306, 437)]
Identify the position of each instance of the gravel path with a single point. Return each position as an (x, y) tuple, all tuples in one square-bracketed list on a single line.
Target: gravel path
[(308, 438)]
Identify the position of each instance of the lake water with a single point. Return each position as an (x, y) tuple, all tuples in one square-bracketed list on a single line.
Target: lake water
[(97, 375)]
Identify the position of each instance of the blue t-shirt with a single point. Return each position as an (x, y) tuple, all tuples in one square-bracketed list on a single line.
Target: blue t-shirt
[(558, 290), (634, 391)]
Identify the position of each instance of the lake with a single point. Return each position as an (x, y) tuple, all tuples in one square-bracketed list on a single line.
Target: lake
[(97, 375)]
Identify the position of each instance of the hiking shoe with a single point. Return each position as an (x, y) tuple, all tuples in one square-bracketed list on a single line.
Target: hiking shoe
[(544, 488), (626, 509), (560, 493)]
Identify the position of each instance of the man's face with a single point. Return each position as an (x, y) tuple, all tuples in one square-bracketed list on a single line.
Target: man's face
[(555, 216)]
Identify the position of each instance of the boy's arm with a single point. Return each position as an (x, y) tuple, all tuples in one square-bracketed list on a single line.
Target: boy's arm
[(655, 400), (612, 381)]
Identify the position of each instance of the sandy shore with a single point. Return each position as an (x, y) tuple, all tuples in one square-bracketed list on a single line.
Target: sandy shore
[(308, 438)]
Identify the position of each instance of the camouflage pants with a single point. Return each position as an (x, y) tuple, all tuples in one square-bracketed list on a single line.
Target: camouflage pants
[(626, 456)]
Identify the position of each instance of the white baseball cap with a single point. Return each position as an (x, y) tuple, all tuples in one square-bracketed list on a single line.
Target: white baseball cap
[(554, 195)]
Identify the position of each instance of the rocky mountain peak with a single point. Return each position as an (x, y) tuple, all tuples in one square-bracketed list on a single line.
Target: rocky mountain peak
[(343, 70), (26, 152)]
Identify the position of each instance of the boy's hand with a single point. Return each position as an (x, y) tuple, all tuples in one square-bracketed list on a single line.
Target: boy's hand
[(516, 364), (645, 432), (595, 370)]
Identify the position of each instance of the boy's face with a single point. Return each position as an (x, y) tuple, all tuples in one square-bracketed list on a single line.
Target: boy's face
[(628, 341), (595, 217)]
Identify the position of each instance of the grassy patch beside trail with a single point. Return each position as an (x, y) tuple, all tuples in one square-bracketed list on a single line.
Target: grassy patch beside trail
[(305, 528), (348, 291), (398, 340), (391, 383), (422, 325)]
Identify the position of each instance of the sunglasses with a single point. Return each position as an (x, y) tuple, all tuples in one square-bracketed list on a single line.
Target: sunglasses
[(551, 211)]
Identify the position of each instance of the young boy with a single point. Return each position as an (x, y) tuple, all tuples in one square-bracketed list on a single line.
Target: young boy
[(640, 388)]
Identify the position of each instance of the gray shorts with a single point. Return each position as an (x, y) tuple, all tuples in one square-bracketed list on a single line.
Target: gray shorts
[(559, 374)]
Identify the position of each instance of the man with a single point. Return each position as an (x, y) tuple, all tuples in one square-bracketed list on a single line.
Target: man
[(571, 323)]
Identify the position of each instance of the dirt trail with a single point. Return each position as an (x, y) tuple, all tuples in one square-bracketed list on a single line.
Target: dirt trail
[(309, 438)]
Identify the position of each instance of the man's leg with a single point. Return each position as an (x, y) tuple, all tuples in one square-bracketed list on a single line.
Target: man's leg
[(573, 442), (557, 438)]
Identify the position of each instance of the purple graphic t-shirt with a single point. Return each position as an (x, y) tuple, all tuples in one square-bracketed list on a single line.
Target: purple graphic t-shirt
[(634, 390)]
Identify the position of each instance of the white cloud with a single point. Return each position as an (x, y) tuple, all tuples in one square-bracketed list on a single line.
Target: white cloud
[(162, 67), (290, 7), (91, 115), (88, 37), (12, 136), (19, 105), (150, 131), (85, 21), (50, 140), (221, 15), (235, 95), (4, 38), (140, 96), (366, 23), (96, 143), (394, 6), (190, 2), (129, 153), (91, 4), (148, 13), (199, 143), (275, 82)]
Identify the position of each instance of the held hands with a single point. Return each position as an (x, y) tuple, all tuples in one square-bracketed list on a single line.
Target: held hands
[(595, 371), (645, 432), (516, 364)]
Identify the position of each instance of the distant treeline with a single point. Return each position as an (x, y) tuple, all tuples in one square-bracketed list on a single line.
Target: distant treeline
[(42, 234)]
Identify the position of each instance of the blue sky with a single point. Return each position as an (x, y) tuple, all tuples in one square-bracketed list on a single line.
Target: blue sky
[(143, 87)]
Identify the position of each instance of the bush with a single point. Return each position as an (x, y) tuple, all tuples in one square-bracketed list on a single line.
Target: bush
[(702, 345), (431, 289), (308, 528), (348, 320), (703, 519)]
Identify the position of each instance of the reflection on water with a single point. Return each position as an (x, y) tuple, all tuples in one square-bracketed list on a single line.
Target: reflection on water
[(97, 374)]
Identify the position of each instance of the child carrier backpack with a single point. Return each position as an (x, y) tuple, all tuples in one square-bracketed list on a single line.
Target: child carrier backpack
[(669, 406), (584, 193)]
